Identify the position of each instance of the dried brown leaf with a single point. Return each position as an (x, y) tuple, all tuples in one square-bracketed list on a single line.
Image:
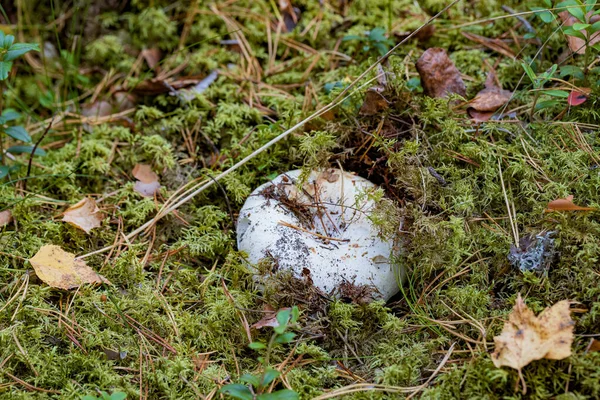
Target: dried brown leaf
[(526, 338), (5, 218), (144, 173), (374, 101), (488, 100), (594, 346), (492, 44), (439, 75), (147, 181), (577, 45), (84, 215), (59, 269), (566, 204), (269, 318), (152, 57)]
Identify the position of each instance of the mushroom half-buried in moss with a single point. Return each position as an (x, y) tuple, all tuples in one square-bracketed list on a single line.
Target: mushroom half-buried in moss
[(322, 229)]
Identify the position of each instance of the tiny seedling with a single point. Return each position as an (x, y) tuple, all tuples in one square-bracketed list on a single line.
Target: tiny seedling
[(374, 40), (10, 51), (255, 386)]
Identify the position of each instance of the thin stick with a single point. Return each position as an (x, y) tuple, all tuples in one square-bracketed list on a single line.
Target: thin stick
[(510, 217), (33, 152)]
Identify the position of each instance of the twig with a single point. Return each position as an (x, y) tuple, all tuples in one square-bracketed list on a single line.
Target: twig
[(298, 228), (33, 152)]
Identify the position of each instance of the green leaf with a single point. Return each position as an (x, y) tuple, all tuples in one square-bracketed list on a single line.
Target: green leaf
[(589, 5), (269, 376), (18, 49), (571, 70), (595, 27), (238, 391), (257, 346), (572, 32), (574, 7), (8, 115), (284, 394), (251, 379), (557, 93), (285, 337), (8, 41), (295, 314), (89, 397), (4, 170), (118, 396), (545, 15), (26, 149), (18, 132), (5, 67), (377, 35), (283, 317), (546, 104), (580, 27), (353, 37), (529, 72)]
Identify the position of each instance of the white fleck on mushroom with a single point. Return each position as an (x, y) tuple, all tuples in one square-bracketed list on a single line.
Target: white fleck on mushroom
[(322, 227)]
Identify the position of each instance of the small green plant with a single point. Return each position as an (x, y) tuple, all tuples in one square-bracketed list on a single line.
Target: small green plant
[(374, 40), (10, 51), (255, 386), (102, 395)]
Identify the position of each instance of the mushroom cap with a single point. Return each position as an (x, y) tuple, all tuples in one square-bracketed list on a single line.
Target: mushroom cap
[(323, 228)]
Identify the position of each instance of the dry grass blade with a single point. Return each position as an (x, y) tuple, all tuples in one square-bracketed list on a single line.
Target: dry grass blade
[(193, 192)]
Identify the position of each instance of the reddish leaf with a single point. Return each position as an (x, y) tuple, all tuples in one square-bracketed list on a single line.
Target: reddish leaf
[(578, 97), (439, 75), (566, 204)]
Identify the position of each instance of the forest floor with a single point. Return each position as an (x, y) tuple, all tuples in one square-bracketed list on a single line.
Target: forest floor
[(143, 108)]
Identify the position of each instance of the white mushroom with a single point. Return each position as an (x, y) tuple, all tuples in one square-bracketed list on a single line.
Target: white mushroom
[(323, 228)]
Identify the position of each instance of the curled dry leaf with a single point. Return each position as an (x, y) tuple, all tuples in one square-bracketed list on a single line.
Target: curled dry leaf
[(269, 318), (152, 57), (439, 75), (84, 215), (61, 270), (488, 100), (593, 347), (578, 45), (147, 181), (374, 101), (566, 204), (5, 218), (526, 338)]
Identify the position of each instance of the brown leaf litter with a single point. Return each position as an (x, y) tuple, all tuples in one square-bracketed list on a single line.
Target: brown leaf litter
[(439, 75), (526, 338), (488, 100), (147, 181), (84, 215), (5, 218), (578, 45)]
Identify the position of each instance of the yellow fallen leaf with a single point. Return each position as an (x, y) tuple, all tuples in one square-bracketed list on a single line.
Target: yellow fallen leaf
[(84, 215), (59, 268), (526, 338)]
